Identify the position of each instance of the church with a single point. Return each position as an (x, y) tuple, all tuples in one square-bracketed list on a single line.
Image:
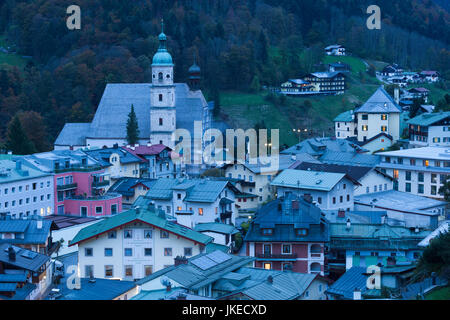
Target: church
[(161, 107)]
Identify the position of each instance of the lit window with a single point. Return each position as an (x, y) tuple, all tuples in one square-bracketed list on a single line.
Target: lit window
[(267, 266)]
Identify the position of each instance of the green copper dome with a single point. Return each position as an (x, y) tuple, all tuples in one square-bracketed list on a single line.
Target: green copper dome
[(162, 57)]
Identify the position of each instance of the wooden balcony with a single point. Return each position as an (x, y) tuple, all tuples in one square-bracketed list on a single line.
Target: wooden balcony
[(268, 256)]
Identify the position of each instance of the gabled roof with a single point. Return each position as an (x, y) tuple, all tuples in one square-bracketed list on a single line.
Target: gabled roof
[(355, 172), (216, 227), (101, 289), (105, 153), (428, 119), (25, 259), (125, 185), (345, 286), (348, 158), (307, 179), (285, 285), (326, 75), (285, 222), (201, 270), (148, 216), (319, 146), (346, 116), (379, 102), (29, 227), (197, 190), (381, 134)]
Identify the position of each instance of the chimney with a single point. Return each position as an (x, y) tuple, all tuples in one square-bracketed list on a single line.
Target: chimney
[(39, 224), (341, 213), (168, 287), (11, 254), (397, 95), (18, 165), (307, 197), (179, 260), (270, 279), (357, 294)]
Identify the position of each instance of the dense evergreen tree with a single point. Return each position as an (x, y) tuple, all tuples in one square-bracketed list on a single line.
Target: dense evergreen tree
[(132, 128), (18, 141), (436, 258)]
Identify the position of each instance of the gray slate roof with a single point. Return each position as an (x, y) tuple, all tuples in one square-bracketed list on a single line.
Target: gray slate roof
[(284, 224), (32, 235), (379, 102), (21, 262), (101, 289), (112, 113), (346, 284)]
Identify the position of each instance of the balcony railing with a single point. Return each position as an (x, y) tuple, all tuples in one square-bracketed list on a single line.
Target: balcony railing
[(290, 256), (100, 184), (68, 186)]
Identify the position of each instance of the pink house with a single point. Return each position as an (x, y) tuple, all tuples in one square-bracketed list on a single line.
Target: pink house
[(80, 183)]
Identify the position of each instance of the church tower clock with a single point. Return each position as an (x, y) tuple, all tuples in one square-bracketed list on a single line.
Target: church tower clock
[(162, 92)]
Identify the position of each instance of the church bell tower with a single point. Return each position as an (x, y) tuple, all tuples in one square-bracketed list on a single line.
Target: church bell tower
[(162, 92)]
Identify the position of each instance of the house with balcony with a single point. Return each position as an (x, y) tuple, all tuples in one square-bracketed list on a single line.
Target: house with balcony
[(420, 171), (24, 190), (134, 244), (193, 201), (294, 87), (327, 82), (131, 188), (80, 183), (429, 130), (24, 274), (158, 161), (33, 234), (289, 233), (328, 190), (254, 176), (430, 76), (118, 162), (362, 244)]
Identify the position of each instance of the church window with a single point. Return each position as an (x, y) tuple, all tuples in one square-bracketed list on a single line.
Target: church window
[(160, 121), (168, 76), (160, 76), (160, 97)]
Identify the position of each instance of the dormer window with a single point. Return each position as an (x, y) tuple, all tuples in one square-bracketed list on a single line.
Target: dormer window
[(302, 232), (267, 231)]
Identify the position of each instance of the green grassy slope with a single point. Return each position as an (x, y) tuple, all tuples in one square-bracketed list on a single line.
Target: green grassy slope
[(10, 59)]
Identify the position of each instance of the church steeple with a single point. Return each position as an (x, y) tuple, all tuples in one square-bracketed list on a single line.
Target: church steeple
[(194, 76), (162, 57)]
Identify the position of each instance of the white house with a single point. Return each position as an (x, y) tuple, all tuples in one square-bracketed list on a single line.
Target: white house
[(420, 171), (370, 179), (134, 244), (329, 190), (25, 191), (429, 130), (379, 114), (345, 125), (192, 201), (335, 50)]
